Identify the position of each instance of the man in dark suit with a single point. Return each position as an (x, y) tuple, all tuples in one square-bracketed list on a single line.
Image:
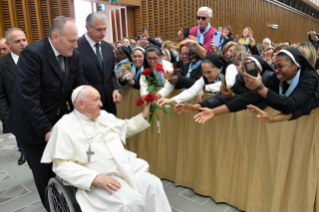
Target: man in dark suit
[(98, 61), (47, 72), (16, 41)]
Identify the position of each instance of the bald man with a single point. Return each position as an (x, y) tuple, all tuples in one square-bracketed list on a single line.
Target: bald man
[(4, 48), (86, 148)]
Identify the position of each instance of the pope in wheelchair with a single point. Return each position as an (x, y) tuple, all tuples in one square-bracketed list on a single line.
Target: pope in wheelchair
[(86, 150)]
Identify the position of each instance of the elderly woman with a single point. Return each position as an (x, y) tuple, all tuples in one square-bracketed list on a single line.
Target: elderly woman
[(138, 59), (122, 56), (288, 90), (212, 65), (154, 57)]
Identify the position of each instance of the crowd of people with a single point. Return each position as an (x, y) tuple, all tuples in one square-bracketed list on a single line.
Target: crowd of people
[(58, 97)]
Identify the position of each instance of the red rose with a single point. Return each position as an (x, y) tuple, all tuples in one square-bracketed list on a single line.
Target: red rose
[(146, 71), (159, 68), (150, 97), (139, 102)]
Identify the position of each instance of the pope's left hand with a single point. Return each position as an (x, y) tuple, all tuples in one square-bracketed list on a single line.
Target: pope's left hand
[(251, 82), (117, 97)]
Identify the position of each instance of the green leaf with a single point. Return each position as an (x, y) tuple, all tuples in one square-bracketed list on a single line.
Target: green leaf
[(157, 106), (168, 109), (150, 119), (150, 88)]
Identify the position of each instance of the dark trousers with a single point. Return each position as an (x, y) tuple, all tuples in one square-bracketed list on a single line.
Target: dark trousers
[(42, 173), (19, 146)]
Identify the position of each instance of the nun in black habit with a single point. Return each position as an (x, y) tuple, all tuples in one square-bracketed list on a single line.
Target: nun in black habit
[(292, 89)]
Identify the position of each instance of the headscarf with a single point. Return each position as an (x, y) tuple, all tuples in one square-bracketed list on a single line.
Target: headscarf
[(298, 58), (219, 61), (126, 51), (260, 63)]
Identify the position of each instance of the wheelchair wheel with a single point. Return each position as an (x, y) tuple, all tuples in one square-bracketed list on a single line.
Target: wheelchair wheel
[(60, 198)]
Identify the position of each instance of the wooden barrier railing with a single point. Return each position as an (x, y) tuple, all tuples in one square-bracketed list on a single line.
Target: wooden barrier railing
[(234, 158)]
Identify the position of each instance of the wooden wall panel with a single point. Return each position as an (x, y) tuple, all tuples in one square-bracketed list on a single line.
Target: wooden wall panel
[(34, 17), (165, 17)]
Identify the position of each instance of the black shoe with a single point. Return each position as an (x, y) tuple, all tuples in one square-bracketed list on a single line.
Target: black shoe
[(22, 159)]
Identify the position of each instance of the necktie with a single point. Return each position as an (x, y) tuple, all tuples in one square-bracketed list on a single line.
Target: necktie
[(61, 62), (98, 55)]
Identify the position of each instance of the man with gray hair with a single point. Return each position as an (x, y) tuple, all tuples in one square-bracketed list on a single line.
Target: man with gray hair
[(87, 151), (204, 32), (266, 44), (98, 61), (16, 41), (47, 72), (4, 49)]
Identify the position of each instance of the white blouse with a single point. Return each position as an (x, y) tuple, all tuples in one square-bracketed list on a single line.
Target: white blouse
[(192, 92)]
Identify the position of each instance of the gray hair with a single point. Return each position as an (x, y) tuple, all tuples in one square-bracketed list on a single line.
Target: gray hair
[(58, 25), (95, 15), (267, 40), (206, 9), (7, 33)]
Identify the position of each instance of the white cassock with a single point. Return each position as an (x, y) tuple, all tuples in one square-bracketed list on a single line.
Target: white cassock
[(67, 149)]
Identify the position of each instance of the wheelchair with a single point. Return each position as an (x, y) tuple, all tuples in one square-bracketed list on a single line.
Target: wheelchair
[(61, 198)]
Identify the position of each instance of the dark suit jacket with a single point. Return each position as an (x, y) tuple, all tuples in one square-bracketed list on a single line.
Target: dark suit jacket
[(7, 84), (103, 81), (41, 91), (184, 82)]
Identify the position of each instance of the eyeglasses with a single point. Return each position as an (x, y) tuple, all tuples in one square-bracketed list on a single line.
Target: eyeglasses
[(200, 17), (137, 56), (152, 58), (280, 66), (184, 54)]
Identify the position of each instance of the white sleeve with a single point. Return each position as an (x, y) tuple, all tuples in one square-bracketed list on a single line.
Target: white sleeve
[(143, 86), (213, 88), (230, 77), (167, 89), (75, 174), (190, 93)]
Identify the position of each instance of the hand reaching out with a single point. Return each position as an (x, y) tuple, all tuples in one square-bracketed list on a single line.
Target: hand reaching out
[(260, 114), (204, 116)]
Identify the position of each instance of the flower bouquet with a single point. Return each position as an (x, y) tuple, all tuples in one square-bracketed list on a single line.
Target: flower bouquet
[(150, 98)]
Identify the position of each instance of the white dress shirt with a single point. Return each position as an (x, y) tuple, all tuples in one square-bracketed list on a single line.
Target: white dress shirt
[(15, 58), (92, 44)]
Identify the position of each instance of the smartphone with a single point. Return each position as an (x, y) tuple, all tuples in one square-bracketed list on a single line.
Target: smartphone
[(216, 38), (238, 55), (223, 80), (185, 32), (143, 30), (251, 69)]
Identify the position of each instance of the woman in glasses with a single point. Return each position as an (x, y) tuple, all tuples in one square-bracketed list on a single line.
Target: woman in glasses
[(122, 56), (153, 57), (133, 76), (309, 52), (288, 90)]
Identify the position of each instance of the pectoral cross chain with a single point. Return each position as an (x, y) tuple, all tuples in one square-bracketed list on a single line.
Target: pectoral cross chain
[(90, 153)]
